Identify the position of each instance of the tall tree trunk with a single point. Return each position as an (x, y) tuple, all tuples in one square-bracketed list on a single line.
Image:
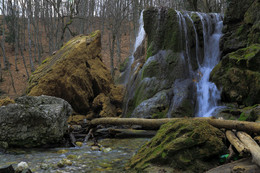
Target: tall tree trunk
[(118, 44), (16, 32), (3, 36), (112, 49), (29, 34)]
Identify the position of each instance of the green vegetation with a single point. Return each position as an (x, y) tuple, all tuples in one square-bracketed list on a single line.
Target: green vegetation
[(182, 144)]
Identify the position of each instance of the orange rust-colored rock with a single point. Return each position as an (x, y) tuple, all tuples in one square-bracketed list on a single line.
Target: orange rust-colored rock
[(75, 73), (102, 104), (76, 119)]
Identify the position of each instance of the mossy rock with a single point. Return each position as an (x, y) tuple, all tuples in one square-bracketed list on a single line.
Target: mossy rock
[(238, 74), (75, 73), (241, 28), (6, 101), (185, 145)]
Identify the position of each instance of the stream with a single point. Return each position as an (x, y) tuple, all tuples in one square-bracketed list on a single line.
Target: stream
[(113, 156)]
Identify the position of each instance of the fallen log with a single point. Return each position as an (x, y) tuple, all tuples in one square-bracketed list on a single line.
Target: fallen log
[(251, 145), (239, 146), (240, 165), (156, 123), (151, 123), (130, 133), (237, 125)]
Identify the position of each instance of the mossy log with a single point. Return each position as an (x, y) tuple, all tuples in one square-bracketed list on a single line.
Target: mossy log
[(131, 133), (156, 123), (251, 145), (149, 123), (240, 147)]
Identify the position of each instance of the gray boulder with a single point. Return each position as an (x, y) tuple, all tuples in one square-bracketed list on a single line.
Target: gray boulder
[(34, 121)]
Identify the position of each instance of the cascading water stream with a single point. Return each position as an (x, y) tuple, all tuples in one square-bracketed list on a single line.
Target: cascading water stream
[(207, 92), (127, 78), (138, 41)]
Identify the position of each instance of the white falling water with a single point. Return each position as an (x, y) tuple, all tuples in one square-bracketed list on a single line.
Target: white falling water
[(141, 33), (183, 24), (138, 41), (207, 92)]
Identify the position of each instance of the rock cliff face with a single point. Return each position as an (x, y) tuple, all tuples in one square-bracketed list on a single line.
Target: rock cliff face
[(163, 81), (76, 74), (238, 73)]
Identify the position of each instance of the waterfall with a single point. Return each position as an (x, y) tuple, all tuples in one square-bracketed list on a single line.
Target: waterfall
[(207, 92), (126, 74), (138, 41)]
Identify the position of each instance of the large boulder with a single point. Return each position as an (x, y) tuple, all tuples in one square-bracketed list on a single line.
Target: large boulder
[(34, 121), (184, 145), (238, 74), (77, 74)]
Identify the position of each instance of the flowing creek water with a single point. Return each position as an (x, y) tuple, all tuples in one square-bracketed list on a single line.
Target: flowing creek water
[(112, 158)]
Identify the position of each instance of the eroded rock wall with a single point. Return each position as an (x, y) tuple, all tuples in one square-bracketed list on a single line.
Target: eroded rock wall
[(238, 73)]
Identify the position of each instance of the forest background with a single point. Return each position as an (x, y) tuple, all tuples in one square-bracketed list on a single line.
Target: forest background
[(31, 30)]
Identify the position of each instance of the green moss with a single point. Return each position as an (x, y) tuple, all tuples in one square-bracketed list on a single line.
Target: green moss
[(151, 69), (161, 114), (164, 154), (246, 56), (172, 35), (180, 144), (123, 65), (240, 29), (242, 117), (149, 51), (46, 60)]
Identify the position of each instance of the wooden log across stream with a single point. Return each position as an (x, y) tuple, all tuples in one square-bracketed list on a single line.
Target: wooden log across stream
[(156, 123), (244, 144)]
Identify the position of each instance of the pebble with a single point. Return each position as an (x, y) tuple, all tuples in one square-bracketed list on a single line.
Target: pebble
[(21, 166), (79, 144), (44, 166)]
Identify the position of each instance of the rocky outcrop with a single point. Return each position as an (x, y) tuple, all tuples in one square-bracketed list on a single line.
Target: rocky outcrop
[(241, 27), (166, 65), (34, 121), (184, 145), (238, 73), (76, 74)]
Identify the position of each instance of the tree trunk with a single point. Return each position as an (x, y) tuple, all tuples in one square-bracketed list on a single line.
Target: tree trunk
[(131, 133), (251, 145), (112, 49), (3, 36), (16, 31), (156, 123), (240, 147), (235, 166), (29, 34)]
